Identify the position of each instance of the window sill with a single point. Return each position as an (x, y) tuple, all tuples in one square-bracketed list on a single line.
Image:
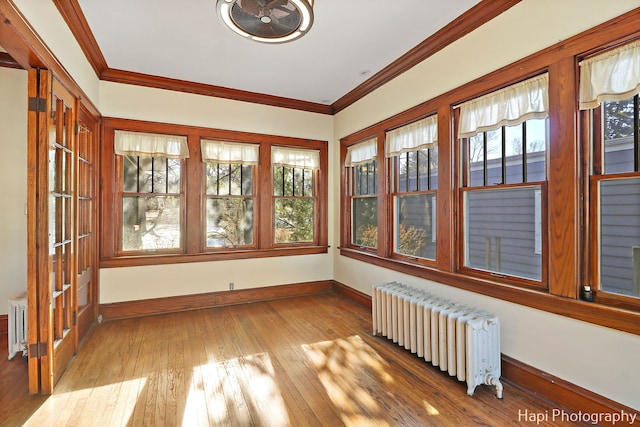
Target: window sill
[(140, 260), (592, 312)]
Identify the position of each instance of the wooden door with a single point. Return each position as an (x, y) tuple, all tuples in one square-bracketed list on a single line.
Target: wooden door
[(87, 222), (52, 233)]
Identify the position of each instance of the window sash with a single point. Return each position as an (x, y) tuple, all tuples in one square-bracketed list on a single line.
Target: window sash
[(144, 144), (613, 75), (509, 106), (498, 241), (412, 137)]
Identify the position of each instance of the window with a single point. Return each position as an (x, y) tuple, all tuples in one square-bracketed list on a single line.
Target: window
[(239, 195), (414, 158), (294, 194), (229, 192), (503, 146), (362, 176), (609, 87), (151, 193)]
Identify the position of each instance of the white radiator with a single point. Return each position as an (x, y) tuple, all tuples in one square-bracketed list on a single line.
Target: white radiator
[(18, 337), (463, 341)]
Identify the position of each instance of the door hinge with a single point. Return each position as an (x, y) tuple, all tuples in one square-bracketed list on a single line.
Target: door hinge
[(38, 350), (39, 105)]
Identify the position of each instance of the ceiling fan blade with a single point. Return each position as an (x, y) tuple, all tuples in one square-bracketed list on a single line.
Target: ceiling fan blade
[(251, 7), (276, 3)]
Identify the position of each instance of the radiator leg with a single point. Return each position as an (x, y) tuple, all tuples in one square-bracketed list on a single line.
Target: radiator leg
[(490, 380)]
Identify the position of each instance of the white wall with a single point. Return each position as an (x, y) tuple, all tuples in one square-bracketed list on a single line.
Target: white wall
[(141, 103), (13, 192), (600, 359)]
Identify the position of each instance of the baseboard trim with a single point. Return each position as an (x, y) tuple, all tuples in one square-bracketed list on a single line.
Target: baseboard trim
[(152, 306), (4, 324), (560, 392), (352, 294), (557, 391)]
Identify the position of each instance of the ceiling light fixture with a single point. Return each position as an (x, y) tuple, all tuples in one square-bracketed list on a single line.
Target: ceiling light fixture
[(267, 21)]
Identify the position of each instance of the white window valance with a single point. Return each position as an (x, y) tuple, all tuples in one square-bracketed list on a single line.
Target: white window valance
[(506, 107), (295, 157), (229, 152), (362, 152), (611, 76), (412, 137), (150, 145)]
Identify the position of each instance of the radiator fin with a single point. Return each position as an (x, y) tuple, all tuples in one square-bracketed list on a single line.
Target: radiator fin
[(18, 336), (462, 341)]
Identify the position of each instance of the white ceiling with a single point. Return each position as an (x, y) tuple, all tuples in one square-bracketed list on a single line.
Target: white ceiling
[(350, 41)]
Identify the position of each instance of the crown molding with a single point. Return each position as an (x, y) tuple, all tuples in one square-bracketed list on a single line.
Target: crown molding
[(139, 79), (73, 16), (464, 24), (475, 17)]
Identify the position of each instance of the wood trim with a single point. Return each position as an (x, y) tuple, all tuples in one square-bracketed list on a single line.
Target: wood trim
[(567, 275), (528, 378), (352, 294), (475, 17), (559, 391), (153, 306), (77, 23), (7, 61), (611, 317), (29, 50), (4, 324), (110, 256), (139, 79), (564, 181), (464, 24)]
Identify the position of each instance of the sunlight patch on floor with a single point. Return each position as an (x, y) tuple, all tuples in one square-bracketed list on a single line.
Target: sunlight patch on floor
[(86, 406), (354, 376), (241, 390)]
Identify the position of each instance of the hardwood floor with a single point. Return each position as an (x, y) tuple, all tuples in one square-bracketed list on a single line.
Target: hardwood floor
[(305, 361)]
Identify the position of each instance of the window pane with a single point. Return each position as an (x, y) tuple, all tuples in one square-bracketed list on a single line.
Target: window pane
[(365, 221), (514, 153), (229, 221), (364, 177), (145, 175), (501, 229), (476, 160), (536, 150), (620, 236), (494, 157), (415, 225), (150, 223), (432, 163), (130, 166), (618, 136), (224, 179), (173, 176), (293, 220)]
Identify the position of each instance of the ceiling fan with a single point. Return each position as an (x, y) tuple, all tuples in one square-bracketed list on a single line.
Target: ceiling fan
[(267, 21)]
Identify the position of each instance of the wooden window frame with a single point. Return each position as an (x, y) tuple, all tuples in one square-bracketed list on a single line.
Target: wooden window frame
[(593, 152), (315, 174), (396, 192), (466, 186), (568, 222), (121, 194), (347, 195), (194, 240)]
